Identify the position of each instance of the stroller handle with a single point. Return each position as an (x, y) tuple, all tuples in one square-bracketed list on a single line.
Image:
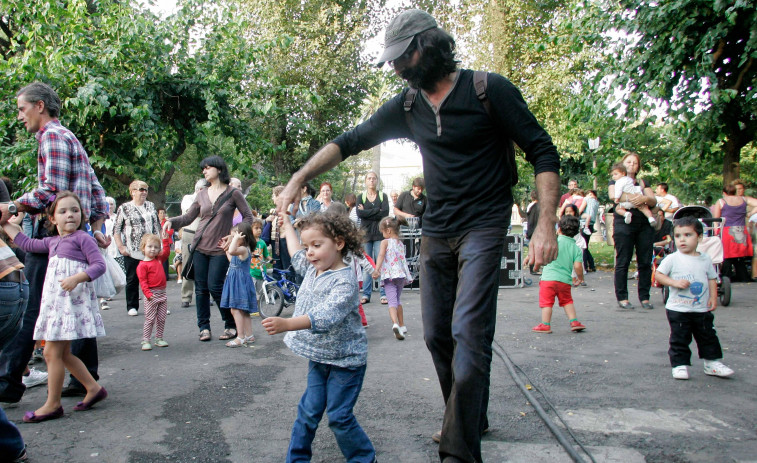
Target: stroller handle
[(711, 220)]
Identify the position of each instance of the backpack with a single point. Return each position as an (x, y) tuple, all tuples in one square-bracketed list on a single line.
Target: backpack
[(480, 81), (380, 197)]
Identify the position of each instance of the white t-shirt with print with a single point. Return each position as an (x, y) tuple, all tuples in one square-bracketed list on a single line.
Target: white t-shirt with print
[(696, 269)]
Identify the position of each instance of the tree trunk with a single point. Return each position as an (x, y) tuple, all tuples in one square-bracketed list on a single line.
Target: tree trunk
[(731, 160)]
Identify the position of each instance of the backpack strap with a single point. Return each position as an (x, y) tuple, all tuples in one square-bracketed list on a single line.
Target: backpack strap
[(480, 80), (408, 106)]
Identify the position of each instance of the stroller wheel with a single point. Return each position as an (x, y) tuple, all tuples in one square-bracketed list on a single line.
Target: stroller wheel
[(724, 291)]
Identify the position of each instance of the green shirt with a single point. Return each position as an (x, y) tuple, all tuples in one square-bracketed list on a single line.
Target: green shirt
[(257, 264), (561, 269)]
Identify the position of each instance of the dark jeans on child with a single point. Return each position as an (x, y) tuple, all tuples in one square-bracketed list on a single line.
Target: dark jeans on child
[(459, 282), (334, 390), (699, 324)]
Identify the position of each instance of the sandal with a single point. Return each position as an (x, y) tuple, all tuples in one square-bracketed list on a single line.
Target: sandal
[(238, 342), (228, 333), (384, 300), (205, 335), (365, 300), (249, 338)]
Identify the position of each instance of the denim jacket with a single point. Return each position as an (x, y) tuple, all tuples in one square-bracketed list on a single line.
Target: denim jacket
[(336, 336)]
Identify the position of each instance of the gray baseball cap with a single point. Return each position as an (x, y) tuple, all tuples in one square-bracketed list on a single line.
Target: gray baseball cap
[(401, 30)]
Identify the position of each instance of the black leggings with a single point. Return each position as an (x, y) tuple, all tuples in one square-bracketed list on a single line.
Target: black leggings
[(638, 234)]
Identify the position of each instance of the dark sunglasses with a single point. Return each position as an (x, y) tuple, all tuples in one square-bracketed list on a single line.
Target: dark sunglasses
[(141, 189)]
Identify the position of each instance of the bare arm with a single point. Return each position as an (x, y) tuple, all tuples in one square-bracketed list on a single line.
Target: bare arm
[(293, 242), (380, 259), (543, 246), (325, 159)]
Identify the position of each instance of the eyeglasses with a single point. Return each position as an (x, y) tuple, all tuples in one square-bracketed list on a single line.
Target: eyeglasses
[(143, 190)]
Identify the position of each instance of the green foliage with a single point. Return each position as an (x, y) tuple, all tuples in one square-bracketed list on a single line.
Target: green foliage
[(136, 90), (687, 63)]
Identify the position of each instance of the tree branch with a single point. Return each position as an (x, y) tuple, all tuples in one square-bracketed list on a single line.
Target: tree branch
[(718, 53), (740, 79)]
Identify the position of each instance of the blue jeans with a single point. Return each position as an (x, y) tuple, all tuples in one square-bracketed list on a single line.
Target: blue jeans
[(371, 248), (334, 390), (13, 300), (460, 277), (210, 273), (16, 355)]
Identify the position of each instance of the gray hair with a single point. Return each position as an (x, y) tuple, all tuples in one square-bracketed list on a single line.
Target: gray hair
[(39, 91)]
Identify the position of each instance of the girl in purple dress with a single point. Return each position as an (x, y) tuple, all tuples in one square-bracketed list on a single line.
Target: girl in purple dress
[(69, 309)]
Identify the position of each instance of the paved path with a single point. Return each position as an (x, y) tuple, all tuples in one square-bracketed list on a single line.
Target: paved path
[(203, 402)]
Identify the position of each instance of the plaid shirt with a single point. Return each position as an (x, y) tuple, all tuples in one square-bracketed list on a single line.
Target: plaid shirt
[(62, 164)]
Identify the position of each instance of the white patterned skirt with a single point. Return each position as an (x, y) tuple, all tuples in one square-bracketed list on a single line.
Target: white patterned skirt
[(67, 315)]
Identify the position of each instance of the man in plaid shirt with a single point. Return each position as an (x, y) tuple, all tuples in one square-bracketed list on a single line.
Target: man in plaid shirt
[(62, 164)]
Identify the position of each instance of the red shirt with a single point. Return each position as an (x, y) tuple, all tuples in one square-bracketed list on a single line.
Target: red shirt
[(150, 272)]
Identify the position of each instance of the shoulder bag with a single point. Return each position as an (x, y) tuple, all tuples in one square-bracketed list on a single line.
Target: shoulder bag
[(188, 272)]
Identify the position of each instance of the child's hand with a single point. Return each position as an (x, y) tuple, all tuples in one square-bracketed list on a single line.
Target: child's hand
[(681, 284), (235, 235), (577, 281), (713, 302), (376, 274), (275, 325), (69, 283)]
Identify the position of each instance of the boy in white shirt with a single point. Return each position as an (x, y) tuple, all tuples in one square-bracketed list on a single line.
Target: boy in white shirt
[(693, 297)]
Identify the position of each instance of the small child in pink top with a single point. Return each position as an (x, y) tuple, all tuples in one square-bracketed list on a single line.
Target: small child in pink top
[(152, 279), (392, 267)]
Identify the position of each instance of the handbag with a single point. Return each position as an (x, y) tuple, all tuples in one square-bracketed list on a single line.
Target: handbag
[(112, 281), (188, 271)]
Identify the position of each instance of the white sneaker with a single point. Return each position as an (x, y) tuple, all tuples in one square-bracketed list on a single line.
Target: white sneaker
[(104, 305), (35, 378), (681, 372), (716, 368), (398, 332), (179, 281), (133, 312), (403, 329)]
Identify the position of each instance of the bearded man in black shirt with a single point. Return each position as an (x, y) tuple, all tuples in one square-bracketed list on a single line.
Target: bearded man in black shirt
[(468, 165)]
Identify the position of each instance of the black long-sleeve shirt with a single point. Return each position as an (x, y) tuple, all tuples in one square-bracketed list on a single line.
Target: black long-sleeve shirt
[(464, 150)]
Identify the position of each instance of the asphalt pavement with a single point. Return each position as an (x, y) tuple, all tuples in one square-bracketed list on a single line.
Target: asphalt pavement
[(612, 384)]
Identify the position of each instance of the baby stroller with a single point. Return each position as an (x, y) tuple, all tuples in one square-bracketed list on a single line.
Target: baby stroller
[(710, 245)]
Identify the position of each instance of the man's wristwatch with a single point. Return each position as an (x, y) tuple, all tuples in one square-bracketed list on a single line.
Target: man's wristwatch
[(12, 208)]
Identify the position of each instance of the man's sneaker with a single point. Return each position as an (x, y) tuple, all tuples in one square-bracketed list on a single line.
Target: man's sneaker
[(576, 326), (34, 378), (146, 345), (542, 328), (681, 372), (397, 332), (132, 312), (104, 305), (716, 368), (161, 343), (184, 305), (37, 355), (403, 329)]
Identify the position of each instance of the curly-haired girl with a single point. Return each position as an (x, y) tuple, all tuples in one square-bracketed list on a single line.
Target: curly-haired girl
[(326, 329)]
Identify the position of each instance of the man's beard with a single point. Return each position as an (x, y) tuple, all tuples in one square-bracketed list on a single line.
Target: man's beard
[(424, 75)]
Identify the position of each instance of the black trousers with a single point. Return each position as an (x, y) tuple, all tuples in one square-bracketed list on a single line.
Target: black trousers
[(132, 283), (699, 324), (640, 235)]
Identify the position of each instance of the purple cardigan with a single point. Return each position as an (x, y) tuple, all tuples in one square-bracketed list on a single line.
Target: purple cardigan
[(77, 246)]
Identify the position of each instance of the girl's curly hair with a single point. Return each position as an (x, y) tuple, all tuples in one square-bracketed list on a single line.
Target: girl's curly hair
[(335, 226)]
